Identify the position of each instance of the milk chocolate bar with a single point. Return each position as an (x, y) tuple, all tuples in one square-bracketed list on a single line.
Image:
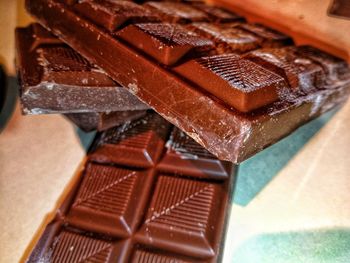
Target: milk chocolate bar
[(340, 8), (56, 79), (171, 211), (234, 87), (101, 121)]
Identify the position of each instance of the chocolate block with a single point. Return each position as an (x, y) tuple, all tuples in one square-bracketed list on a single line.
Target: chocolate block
[(301, 73), (270, 37), (138, 143), (56, 79), (217, 14), (230, 130), (120, 213), (166, 43), (175, 12), (114, 207), (112, 14), (101, 121), (238, 82), (171, 222), (227, 37), (188, 157)]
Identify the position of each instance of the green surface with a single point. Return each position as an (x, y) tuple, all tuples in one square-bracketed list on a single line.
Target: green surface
[(255, 173), (318, 246)]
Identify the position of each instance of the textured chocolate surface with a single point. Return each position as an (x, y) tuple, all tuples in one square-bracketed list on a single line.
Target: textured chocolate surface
[(101, 121), (117, 212), (288, 90), (56, 79)]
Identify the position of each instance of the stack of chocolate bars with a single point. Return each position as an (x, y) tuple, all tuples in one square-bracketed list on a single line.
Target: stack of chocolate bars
[(200, 90)]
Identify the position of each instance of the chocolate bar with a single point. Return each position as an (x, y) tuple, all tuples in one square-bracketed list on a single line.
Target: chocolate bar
[(171, 211), (233, 94), (56, 79), (340, 8), (101, 121)]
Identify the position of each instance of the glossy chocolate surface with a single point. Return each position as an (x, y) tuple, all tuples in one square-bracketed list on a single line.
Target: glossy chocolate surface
[(56, 79), (117, 212), (231, 113)]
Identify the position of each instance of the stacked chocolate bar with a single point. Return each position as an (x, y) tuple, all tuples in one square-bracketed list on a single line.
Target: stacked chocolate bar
[(56, 79), (151, 191)]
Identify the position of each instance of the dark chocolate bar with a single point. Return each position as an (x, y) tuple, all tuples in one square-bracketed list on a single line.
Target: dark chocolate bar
[(197, 73), (171, 211), (340, 8), (101, 121), (56, 79)]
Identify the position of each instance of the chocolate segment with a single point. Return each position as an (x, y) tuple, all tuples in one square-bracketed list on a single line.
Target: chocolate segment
[(175, 12), (227, 37), (217, 14), (172, 223), (114, 206), (301, 73), (166, 43), (112, 14), (138, 143), (120, 213), (101, 121), (238, 82), (271, 38), (56, 79), (188, 157), (228, 132)]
